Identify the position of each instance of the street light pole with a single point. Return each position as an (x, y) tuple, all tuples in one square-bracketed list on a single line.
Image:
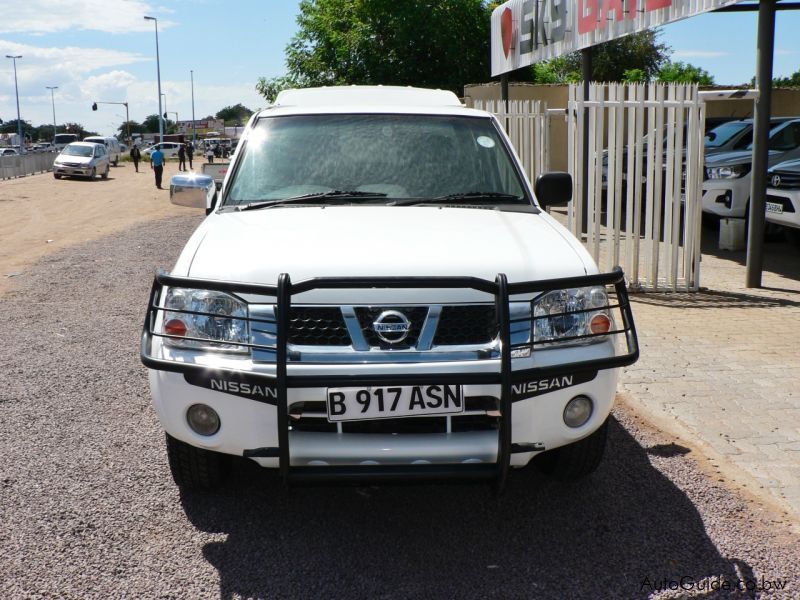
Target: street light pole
[(16, 88), (194, 125), (52, 89), (158, 72)]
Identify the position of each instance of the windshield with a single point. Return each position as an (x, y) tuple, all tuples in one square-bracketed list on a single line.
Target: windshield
[(784, 137), (381, 157), (724, 133), (65, 138), (78, 150)]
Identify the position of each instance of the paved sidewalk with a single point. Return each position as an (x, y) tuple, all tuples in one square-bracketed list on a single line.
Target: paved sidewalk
[(724, 364)]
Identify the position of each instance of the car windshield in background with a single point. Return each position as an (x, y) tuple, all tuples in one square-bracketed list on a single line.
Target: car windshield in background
[(784, 137), (723, 133), (379, 158), (78, 150)]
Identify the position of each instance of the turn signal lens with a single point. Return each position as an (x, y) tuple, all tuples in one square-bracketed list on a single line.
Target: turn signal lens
[(600, 323), (175, 327)]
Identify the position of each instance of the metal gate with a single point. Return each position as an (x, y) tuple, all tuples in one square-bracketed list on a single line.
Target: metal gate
[(643, 181)]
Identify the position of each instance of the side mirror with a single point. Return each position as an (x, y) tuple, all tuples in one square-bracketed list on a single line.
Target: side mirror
[(711, 136), (553, 189), (192, 190)]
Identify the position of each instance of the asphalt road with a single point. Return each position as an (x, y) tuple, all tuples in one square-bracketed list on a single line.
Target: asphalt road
[(88, 508)]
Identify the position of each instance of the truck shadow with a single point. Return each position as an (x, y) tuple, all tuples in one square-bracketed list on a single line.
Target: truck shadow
[(617, 535)]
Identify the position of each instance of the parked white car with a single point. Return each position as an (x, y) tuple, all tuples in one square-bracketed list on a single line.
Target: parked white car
[(783, 195), (726, 190), (377, 293), (8, 152), (82, 159), (169, 149)]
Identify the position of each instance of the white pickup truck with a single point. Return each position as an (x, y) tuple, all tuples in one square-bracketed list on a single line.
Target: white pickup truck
[(377, 293)]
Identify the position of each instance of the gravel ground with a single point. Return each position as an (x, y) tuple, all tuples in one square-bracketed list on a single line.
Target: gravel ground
[(88, 508)]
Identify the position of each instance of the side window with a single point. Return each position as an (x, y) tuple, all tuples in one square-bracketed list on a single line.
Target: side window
[(746, 140)]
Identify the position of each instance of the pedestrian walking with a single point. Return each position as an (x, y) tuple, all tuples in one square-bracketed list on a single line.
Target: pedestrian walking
[(136, 156), (210, 154), (189, 154), (157, 164), (181, 157)]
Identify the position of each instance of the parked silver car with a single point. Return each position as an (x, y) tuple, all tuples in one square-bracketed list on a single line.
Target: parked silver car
[(82, 159)]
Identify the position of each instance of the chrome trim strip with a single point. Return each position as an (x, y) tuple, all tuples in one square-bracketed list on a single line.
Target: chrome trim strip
[(429, 327), (353, 328)]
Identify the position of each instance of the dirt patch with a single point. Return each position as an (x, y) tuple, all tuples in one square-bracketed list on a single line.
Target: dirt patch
[(40, 215)]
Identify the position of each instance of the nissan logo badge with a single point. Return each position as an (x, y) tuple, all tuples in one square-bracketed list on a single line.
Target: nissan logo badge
[(391, 326)]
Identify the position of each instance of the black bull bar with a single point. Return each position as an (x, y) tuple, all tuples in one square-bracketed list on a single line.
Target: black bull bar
[(500, 289)]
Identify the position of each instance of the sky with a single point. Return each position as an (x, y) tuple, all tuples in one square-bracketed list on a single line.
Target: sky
[(105, 51)]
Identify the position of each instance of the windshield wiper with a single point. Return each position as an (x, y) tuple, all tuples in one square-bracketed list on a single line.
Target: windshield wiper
[(335, 194), (458, 196)]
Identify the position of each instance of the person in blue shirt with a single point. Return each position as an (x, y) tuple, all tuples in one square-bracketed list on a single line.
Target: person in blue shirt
[(157, 164)]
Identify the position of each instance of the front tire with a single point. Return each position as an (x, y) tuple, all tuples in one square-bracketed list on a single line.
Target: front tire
[(196, 468), (93, 174), (56, 175), (577, 460), (105, 174)]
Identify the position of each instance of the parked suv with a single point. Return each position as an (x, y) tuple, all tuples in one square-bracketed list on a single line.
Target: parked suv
[(168, 148), (783, 195), (377, 293), (726, 190), (82, 159)]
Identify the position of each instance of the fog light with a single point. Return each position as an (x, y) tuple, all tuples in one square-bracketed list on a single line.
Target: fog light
[(203, 419), (577, 411)]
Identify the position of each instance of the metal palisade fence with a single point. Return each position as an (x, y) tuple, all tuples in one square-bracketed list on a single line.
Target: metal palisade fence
[(644, 180), (526, 122), (26, 164)]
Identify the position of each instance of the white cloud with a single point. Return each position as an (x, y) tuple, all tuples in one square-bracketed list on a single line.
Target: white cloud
[(784, 52), (49, 16), (700, 53)]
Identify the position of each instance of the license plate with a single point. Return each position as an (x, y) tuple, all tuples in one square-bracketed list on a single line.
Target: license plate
[(356, 404), (774, 207)]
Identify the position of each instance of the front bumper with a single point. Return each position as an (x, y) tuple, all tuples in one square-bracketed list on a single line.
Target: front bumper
[(68, 171), (528, 393), (783, 207), (726, 197)]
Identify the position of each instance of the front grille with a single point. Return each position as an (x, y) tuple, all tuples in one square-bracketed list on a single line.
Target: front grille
[(462, 325), (317, 326), (368, 314), (784, 202), (311, 416), (789, 179)]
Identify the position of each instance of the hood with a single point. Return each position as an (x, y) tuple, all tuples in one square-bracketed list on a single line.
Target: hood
[(738, 157), (308, 242), (75, 160), (789, 165)]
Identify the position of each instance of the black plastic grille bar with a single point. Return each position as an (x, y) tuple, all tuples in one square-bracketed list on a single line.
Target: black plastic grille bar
[(500, 289)]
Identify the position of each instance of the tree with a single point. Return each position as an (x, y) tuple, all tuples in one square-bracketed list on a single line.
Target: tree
[(792, 81), (234, 114), (640, 55), (270, 88), (679, 72), (136, 127), (442, 44)]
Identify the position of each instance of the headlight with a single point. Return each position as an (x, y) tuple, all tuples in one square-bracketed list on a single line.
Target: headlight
[(216, 321), (571, 317), (732, 172)]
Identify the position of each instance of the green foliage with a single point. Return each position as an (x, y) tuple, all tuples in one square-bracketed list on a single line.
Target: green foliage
[(792, 81), (637, 55), (679, 72), (233, 115), (270, 88), (634, 76), (442, 44), (150, 125)]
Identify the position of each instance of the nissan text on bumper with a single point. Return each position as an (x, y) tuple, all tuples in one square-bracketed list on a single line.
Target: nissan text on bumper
[(404, 311)]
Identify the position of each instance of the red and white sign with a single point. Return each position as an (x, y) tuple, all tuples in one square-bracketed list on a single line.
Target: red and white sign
[(529, 31)]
